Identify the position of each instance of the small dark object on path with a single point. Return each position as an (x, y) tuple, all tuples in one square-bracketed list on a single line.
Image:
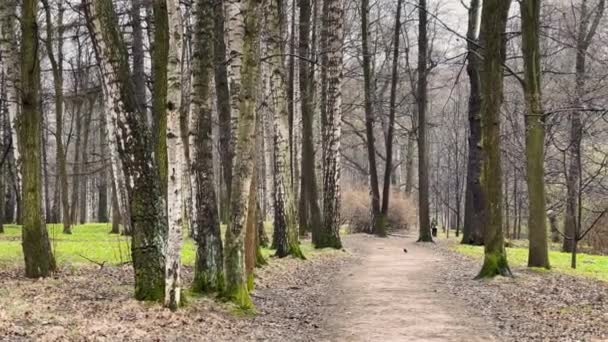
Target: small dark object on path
[(405, 250)]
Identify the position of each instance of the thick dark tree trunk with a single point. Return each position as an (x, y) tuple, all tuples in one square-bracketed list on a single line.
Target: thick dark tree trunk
[(421, 99), (493, 24), (209, 267), (310, 213), (472, 232), (223, 105), (388, 169), (378, 221), (160, 59), (39, 259)]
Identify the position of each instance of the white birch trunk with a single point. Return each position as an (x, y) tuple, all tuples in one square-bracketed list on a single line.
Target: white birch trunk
[(11, 69), (176, 157)]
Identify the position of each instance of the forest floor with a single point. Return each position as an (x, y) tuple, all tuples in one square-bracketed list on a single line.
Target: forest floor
[(372, 291), (430, 294)]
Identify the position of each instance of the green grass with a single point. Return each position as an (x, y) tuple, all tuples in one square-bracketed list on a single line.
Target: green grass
[(92, 241), (592, 266)]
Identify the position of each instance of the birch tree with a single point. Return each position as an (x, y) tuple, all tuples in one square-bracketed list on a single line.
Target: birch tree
[(285, 220), (11, 70), (243, 42), (39, 259), (208, 268), (127, 129), (176, 157), (332, 38)]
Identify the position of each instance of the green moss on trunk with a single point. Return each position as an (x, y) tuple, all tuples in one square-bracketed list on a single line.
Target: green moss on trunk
[(494, 264)]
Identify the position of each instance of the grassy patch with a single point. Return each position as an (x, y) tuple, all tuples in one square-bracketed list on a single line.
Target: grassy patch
[(88, 241), (92, 241), (592, 266)]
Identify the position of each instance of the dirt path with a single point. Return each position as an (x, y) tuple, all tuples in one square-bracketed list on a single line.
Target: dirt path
[(390, 296)]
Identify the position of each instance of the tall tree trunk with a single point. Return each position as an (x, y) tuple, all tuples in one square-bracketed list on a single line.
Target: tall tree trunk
[(310, 213), (128, 131), (11, 68), (421, 99), (285, 221), (388, 168), (176, 161), (493, 23), (332, 38), (535, 135), (39, 259), (223, 103), (378, 221), (208, 270), (474, 220), (160, 61), (243, 33)]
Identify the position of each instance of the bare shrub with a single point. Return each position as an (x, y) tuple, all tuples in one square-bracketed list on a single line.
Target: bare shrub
[(355, 210)]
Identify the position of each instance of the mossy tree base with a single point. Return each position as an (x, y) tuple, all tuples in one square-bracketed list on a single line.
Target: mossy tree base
[(494, 264), (239, 295), (205, 283)]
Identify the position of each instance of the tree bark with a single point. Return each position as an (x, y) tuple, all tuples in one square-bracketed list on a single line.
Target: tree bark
[(243, 33), (223, 101), (310, 213), (127, 129), (493, 23), (285, 220), (39, 259), (208, 270), (332, 38), (137, 50), (535, 135), (160, 61), (421, 99), (12, 68), (377, 220), (474, 220), (176, 161)]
